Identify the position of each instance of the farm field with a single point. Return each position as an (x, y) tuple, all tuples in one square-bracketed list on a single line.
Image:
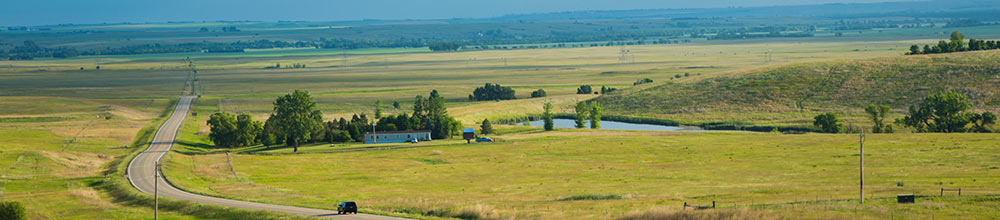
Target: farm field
[(527, 174)]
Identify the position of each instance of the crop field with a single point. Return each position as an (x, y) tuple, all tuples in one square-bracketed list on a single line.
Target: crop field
[(529, 174)]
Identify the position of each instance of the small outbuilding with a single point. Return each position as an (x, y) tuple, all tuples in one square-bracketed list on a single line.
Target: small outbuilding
[(396, 136), (468, 134)]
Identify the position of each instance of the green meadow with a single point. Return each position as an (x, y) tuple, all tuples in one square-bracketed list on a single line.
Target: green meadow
[(529, 174)]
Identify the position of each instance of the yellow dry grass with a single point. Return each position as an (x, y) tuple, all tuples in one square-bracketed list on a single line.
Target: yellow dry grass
[(76, 164)]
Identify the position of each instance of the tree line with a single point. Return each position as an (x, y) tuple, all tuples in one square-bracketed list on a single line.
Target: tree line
[(30, 50), (295, 120), (944, 112), (956, 44)]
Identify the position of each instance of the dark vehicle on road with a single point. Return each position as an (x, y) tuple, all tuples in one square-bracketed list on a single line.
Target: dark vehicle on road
[(347, 208)]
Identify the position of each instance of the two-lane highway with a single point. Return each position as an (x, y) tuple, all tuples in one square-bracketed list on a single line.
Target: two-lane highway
[(141, 174)]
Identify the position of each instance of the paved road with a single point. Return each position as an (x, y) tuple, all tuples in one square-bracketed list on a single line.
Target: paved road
[(140, 173)]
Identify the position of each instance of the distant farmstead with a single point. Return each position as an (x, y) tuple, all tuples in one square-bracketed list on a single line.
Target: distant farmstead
[(396, 136)]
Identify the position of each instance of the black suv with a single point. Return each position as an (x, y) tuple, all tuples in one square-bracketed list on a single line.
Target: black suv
[(347, 207)]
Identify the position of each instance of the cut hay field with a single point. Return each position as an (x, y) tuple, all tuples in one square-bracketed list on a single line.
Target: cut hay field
[(528, 175)]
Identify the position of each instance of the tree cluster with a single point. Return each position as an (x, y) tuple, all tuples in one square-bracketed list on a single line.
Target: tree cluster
[(428, 114), (946, 112), (642, 81), (228, 130), (433, 115), (956, 44), (12, 210), (445, 46), (293, 66), (296, 120), (606, 90), (585, 111), (585, 89), (538, 93), (492, 92)]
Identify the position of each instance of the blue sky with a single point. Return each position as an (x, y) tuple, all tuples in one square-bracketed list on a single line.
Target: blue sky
[(38, 12)]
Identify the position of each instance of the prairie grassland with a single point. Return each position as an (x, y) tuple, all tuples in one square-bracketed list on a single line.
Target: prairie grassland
[(225, 76), (52, 165), (526, 174), (241, 84), (793, 94)]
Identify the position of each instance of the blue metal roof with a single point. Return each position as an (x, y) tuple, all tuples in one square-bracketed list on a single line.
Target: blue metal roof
[(469, 130)]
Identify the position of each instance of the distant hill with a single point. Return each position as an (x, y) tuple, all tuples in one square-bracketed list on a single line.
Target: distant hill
[(841, 86), (918, 9)]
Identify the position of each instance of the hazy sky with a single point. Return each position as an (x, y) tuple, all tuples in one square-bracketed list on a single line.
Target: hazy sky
[(37, 12)]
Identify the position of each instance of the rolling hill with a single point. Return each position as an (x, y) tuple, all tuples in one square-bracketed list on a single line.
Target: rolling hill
[(792, 94)]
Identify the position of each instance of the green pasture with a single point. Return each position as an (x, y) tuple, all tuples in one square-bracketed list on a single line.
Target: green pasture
[(527, 175)]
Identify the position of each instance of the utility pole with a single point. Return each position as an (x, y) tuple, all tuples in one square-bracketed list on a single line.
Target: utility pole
[(374, 138), (861, 163), (156, 197)]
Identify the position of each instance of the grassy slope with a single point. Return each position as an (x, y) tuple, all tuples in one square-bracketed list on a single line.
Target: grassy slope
[(53, 176), (525, 175), (792, 94)]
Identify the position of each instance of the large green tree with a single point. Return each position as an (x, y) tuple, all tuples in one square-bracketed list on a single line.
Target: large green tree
[(595, 114), (486, 127), (941, 112), (828, 123), (877, 114), (222, 129), (432, 115), (247, 130), (582, 111), (957, 42), (547, 116), (297, 117), (378, 109)]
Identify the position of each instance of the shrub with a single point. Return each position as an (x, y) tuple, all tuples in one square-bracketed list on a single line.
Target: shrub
[(12, 210), (538, 93)]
